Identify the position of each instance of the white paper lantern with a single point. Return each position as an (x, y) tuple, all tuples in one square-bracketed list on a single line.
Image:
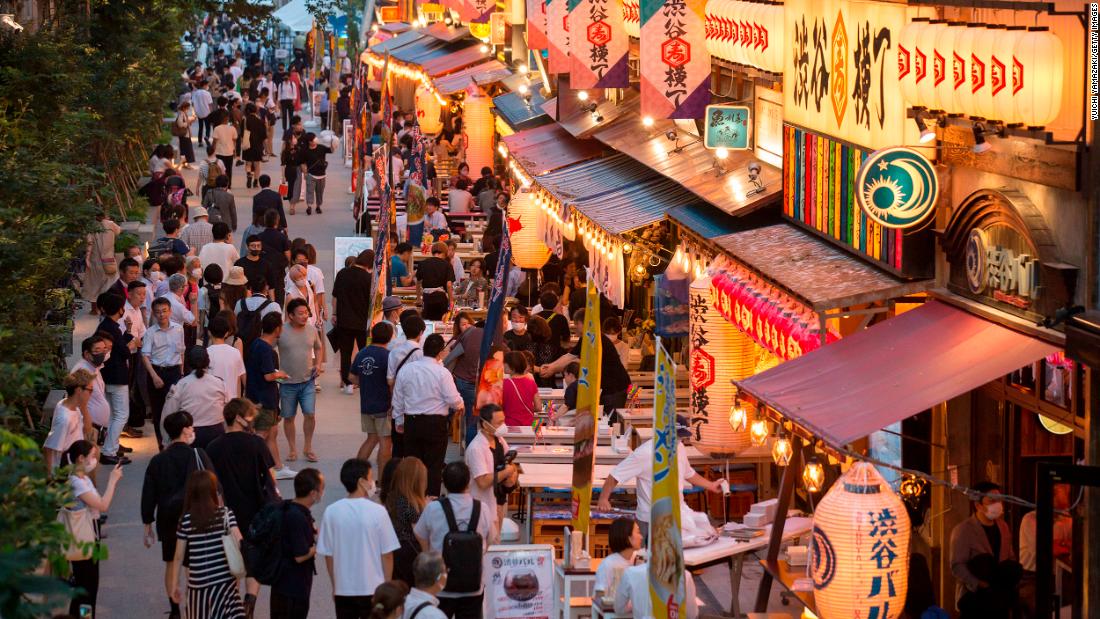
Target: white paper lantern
[(1039, 61), (775, 38), (960, 61), (1000, 75), (737, 14), (478, 122), (528, 250), (860, 552), (727, 11), (981, 70), (945, 50), (753, 15), (926, 53), (908, 48), (727, 354), (428, 111), (712, 28)]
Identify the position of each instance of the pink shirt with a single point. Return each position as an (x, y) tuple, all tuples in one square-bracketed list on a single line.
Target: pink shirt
[(519, 401)]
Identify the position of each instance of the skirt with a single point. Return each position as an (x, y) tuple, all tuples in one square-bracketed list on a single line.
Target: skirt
[(254, 152), (220, 601)]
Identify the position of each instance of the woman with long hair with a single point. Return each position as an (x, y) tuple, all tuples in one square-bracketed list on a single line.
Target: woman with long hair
[(83, 456), (203, 395), (521, 399), (405, 502), (291, 174), (212, 590)]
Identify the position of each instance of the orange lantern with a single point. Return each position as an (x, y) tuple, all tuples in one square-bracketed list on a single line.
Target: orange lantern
[(428, 111), (528, 250), (478, 124)]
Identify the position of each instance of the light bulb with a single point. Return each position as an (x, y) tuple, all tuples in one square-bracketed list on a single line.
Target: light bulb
[(627, 248), (484, 49), (781, 450), (647, 121), (758, 431), (523, 70), (640, 270), (503, 151), (739, 418), (523, 89), (721, 153), (582, 95), (813, 475)]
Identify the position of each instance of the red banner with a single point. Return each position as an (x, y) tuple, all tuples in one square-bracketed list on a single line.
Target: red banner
[(536, 24)]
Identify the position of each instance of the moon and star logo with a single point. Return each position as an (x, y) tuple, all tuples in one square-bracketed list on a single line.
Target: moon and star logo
[(823, 568), (897, 187)]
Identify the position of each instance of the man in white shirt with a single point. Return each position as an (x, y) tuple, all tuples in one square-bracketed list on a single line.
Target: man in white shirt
[(433, 217), (134, 312), (456, 600), (225, 144), (429, 578), (162, 356), (639, 465), (632, 596), (225, 361), (424, 394), (357, 541), (203, 102), (221, 252), (480, 457), (407, 351), (177, 285), (456, 262)]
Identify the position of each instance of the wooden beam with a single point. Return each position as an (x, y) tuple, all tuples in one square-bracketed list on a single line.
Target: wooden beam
[(786, 492), (1026, 160)]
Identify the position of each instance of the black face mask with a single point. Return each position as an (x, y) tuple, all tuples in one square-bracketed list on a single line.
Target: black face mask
[(98, 358), (254, 252)]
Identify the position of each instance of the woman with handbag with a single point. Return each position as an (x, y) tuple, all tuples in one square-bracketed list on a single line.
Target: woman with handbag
[(181, 128), (82, 522), (101, 270), (521, 393), (405, 501), (209, 537)]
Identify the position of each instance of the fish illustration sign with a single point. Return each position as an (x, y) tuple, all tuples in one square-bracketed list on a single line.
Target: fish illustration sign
[(897, 187)]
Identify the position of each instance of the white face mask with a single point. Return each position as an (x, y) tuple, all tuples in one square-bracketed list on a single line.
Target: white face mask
[(519, 327), (500, 430), (371, 488), (301, 283), (90, 464), (994, 511), (196, 273)]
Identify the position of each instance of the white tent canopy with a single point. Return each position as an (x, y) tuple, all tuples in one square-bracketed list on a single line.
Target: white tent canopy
[(295, 15)]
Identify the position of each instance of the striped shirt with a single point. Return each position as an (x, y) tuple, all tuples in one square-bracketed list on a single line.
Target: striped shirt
[(207, 564)]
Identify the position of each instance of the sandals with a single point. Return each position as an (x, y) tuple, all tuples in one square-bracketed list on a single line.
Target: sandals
[(311, 457), (291, 457)]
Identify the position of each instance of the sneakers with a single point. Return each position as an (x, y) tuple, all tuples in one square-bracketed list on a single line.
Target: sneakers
[(309, 210), (348, 389), (318, 209), (113, 460), (129, 432), (285, 473)]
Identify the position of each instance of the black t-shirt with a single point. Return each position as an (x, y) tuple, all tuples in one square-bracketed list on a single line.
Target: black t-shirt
[(352, 293), (260, 360), (262, 267), (296, 579), (241, 461), (559, 328), (490, 261), (257, 129), (434, 272), (314, 159), (571, 396), (268, 199), (613, 376), (518, 343), (993, 534), (275, 246)]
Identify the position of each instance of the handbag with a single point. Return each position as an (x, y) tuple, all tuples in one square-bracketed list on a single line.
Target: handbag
[(283, 189), (110, 267), (232, 549), (79, 523), (178, 130)]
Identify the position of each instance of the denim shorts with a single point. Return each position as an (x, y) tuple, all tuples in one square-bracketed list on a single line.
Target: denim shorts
[(293, 395)]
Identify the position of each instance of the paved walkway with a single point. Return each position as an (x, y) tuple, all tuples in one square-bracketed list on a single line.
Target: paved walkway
[(131, 582)]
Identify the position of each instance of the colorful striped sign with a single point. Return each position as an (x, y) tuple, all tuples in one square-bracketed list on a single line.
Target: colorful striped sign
[(536, 24), (557, 20), (599, 49), (675, 64), (819, 190)]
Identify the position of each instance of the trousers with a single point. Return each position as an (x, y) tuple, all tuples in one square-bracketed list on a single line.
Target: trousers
[(227, 161), (286, 109), (426, 439), (346, 339), (119, 398), (315, 190), (170, 375), (204, 130)]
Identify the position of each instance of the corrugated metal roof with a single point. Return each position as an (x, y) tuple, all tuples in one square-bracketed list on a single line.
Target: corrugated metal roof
[(445, 33), (583, 124), (517, 113), (544, 149), (483, 73), (460, 56), (693, 166), (405, 38), (704, 220), (424, 48), (616, 192)]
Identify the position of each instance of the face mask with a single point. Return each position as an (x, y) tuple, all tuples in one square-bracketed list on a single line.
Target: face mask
[(196, 273), (189, 438), (519, 327), (370, 488), (254, 252), (158, 276), (99, 359), (994, 511), (90, 464), (500, 430), (301, 283)]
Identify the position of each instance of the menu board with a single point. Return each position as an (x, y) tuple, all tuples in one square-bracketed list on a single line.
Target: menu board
[(519, 582)]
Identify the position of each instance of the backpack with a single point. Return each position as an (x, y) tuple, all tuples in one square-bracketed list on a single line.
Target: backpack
[(263, 545), (212, 173), (163, 245), (462, 550), (248, 322)]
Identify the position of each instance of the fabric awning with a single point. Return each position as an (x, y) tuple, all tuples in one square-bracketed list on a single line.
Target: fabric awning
[(694, 165), (813, 270), (518, 113), (894, 370), (482, 73), (548, 148), (461, 56), (295, 15), (389, 45)]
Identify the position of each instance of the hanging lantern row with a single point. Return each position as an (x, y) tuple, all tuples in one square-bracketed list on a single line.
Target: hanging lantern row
[(594, 236), (748, 33), (409, 73), (632, 13), (691, 261), (771, 318), (552, 208), (989, 71)]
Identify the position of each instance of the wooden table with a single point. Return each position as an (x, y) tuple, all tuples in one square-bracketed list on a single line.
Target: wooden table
[(563, 454)]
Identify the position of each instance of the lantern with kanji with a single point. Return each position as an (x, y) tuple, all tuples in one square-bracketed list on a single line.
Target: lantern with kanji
[(719, 353), (528, 250), (859, 556), (428, 111)]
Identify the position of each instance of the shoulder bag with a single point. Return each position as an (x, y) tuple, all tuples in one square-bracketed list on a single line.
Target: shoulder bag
[(81, 529), (232, 549)]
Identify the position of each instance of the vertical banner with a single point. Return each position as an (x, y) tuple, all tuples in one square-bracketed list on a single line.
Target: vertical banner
[(666, 563), (496, 295), (557, 19), (387, 212), (536, 24), (675, 65), (599, 45), (588, 412), (482, 9)]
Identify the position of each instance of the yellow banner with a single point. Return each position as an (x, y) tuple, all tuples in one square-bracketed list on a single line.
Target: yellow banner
[(588, 411), (666, 564)]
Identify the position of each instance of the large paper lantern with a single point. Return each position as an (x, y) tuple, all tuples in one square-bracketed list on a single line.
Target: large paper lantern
[(719, 353), (926, 53), (756, 34), (478, 123), (428, 111), (528, 250), (981, 71), (944, 63), (775, 38), (908, 46), (960, 71), (1039, 66), (860, 551), (1000, 75)]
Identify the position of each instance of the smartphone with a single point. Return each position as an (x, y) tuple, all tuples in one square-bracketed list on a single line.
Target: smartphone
[(510, 456), (85, 611)]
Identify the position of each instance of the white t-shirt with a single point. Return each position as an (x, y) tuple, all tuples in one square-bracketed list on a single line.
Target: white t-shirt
[(81, 486), (65, 429), (479, 457), (202, 101), (315, 277), (99, 409), (226, 363), (639, 464), (433, 527), (225, 139), (221, 254), (606, 571), (356, 533), (633, 594), (254, 302)]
